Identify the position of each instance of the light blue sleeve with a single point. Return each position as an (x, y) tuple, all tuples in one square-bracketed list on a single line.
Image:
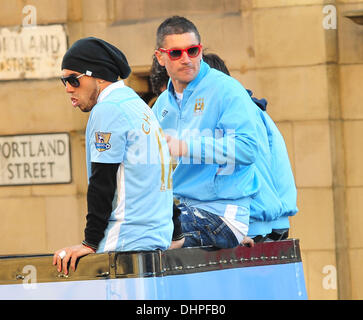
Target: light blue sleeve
[(108, 133), (156, 107), (237, 142)]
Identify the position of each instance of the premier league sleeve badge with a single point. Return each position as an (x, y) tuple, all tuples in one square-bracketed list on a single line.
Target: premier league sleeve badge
[(102, 141)]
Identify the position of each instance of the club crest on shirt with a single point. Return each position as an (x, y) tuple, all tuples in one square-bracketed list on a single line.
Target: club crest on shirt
[(199, 106), (164, 113), (102, 139)]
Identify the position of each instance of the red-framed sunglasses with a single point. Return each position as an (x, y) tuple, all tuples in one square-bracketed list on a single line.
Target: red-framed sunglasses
[(175, 54)]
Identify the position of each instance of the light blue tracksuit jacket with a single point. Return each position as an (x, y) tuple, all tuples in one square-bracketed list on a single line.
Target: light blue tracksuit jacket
[(236, 156)]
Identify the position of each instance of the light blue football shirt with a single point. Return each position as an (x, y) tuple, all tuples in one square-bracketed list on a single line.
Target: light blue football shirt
[(122, 129)]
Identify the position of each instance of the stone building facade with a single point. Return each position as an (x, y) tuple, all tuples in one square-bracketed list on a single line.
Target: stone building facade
[(304, 56)]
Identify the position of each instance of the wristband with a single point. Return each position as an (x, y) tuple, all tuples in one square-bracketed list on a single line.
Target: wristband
[(84, 243)]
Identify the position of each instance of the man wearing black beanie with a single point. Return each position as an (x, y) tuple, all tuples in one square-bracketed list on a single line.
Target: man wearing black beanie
[(129, 197)]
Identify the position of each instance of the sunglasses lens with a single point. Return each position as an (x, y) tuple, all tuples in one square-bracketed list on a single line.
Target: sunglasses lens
[(175, 54), (72, 80), (193, 51)]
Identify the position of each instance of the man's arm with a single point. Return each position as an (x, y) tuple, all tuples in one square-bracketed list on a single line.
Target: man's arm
[(101, 191), (237, 141), (178, 232), (178, 236)]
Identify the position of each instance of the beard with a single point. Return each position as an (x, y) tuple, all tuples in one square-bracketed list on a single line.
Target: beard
[(92, 100)]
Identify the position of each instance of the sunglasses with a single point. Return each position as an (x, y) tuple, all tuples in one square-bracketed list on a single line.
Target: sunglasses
[(72, 80), (175, 54)]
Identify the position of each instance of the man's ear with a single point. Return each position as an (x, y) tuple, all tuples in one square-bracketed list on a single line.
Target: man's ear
[(159, 57)]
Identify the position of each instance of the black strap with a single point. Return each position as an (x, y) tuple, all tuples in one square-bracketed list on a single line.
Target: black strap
[(278, 236), (259, 238), (177, 233)]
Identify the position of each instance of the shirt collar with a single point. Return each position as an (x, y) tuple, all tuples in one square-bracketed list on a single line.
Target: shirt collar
[(105, 92)]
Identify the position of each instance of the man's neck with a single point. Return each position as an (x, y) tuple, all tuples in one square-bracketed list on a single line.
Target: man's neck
[(103, 85), (179, 86)]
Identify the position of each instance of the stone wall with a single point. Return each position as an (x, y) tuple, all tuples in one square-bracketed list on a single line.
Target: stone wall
[(310, 75)]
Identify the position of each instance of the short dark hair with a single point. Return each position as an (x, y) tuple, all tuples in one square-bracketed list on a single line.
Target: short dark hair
[(214, 61), (175, 25)]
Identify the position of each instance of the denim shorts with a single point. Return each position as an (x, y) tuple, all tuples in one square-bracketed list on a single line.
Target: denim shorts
[(203, 228)]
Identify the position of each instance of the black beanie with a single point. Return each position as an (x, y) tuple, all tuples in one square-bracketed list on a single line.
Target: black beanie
[(96, 58)]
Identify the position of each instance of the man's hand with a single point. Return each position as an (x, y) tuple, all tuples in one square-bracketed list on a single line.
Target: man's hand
[(177, 148), (176, 244), (72, 253), (248, 242)]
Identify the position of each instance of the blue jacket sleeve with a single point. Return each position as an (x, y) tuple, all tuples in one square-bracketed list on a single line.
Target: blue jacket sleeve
[(236, 142)]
